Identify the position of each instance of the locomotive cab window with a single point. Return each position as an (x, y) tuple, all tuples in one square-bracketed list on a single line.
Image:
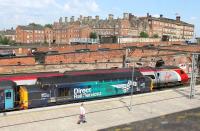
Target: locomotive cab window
[(158, 74), (8, 95), (151, 76)]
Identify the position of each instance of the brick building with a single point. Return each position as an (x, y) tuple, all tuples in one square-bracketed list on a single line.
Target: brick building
[(30, 34), (129, 26), (49, 35), (174, 29), (10, 34), (64, 32)]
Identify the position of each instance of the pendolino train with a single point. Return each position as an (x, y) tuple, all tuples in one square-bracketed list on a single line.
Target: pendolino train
[(71, 87), (165, 76)]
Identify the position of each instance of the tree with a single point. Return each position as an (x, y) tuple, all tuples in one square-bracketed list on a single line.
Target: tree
[(4, 40), (48, 25), (93, 35), (155, 36), (35, 25), (144, 34)]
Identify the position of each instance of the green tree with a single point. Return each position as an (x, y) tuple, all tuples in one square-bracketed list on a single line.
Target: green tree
[(35, 25), (48, 25), (155, 36), (93, 35), (144, 34), (4, 40)]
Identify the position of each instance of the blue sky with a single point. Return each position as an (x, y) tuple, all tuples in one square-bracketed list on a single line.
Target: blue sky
[(22, 12)]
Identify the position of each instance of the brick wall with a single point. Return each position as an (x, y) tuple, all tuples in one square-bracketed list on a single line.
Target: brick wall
[(89, 57), (18, 61)]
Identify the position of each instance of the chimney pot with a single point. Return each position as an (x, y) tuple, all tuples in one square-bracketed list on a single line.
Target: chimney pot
[(97, 17), (110, 17), (60, 20), (178, 18), (66, 19), (72, 19), (126, 16)]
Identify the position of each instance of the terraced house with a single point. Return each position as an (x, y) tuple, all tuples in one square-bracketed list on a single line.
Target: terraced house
[(171, 28), (32, 33), (108, 30)]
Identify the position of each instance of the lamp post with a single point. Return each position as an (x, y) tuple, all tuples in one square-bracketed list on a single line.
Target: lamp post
[(49, 40), (132, 84)]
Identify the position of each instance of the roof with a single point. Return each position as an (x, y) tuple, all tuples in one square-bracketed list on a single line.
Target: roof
[(33, 88), (7, 85), (67, 79), (8, 32), (163, 19), (31, 27)]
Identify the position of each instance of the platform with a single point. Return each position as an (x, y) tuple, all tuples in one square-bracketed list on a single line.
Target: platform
[(101, 114)]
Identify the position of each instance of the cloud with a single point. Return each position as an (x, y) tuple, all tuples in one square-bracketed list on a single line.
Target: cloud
[(13, 4), (156, 15), (85, 7), (15, 12), (193, 18)]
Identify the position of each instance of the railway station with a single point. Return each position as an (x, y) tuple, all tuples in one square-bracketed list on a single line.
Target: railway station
[(102, 114), (99, 73)]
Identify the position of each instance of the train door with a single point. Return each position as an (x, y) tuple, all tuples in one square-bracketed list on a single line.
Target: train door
[(158, 81), (9, 99), (63, 94), (1, 100)]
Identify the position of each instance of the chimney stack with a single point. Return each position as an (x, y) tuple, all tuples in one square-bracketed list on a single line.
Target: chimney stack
[(60, 20), (147, 14), (66, 19), (110, 17), (89, 18), (84, 18), (178, 18), (126, 16), (97, 17), (131, 16), (72, 19), (161, 16), (81, 18)]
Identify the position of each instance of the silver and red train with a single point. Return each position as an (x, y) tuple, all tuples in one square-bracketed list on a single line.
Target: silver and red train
[(165, 75)]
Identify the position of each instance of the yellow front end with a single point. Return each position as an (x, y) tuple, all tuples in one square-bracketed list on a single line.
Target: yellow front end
[(23, 97), (151, 88)]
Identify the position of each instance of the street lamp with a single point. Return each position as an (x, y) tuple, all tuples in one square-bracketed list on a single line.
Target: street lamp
[(49, 40), (132, 84)]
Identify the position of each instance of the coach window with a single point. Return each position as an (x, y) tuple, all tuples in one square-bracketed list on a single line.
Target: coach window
[(63, 92), (8, 95)]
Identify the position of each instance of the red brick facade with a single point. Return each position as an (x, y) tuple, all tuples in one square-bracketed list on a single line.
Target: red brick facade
[(29, 34), (175, 29)]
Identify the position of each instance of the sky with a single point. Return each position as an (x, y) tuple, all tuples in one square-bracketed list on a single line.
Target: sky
[(22, 12)]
